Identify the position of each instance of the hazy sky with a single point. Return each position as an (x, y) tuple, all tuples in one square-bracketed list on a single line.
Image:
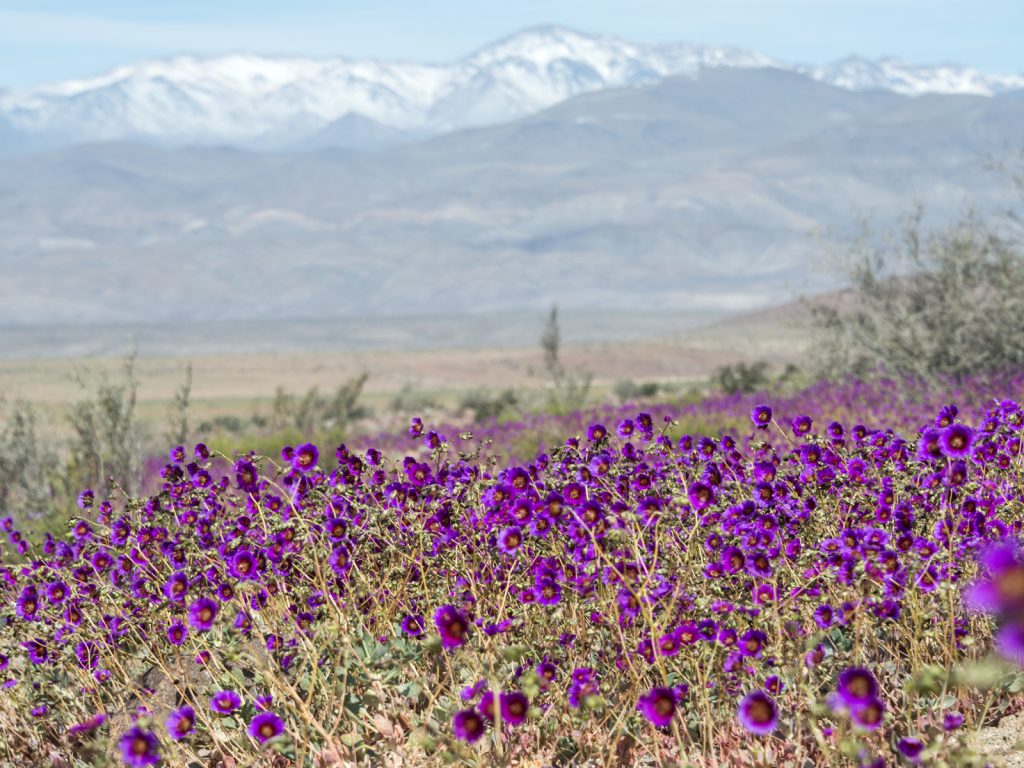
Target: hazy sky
[(44, 40)]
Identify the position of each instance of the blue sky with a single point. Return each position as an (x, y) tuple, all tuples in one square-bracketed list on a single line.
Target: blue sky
[(45, 40)]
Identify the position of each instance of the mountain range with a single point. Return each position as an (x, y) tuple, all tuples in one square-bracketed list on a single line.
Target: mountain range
[(719, 190), (299, 103)]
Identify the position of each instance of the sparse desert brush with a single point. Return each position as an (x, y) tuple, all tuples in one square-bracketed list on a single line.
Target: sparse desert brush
[(635, 596)]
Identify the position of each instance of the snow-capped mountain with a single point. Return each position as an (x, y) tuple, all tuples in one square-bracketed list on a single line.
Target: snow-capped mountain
[(263, 101), (859, 74)]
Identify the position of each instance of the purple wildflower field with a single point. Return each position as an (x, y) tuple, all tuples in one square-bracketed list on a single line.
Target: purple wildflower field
[(833, 577)]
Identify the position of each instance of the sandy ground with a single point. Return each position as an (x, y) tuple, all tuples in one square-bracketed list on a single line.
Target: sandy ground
[(1004, 743), (230, 379)]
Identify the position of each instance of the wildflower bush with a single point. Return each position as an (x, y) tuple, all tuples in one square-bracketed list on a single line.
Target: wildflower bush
[(791, 595), (930, 305)]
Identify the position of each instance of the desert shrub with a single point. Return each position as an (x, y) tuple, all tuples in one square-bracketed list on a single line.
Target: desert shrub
[(485, 405), (628, 390), (32, 483), (569, 388), (178, 423), (104, 451), (314, 412), (741, 378), (411, 400), (949, 304)]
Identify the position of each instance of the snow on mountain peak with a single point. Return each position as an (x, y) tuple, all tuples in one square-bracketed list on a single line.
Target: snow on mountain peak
[(250, 99)]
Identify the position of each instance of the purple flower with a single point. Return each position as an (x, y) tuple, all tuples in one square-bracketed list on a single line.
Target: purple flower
[(758, 713), (243, 565), (658, 706), (761, 416), (305, 457), (856, 686), (951, 721), (38, 653), (266, 726), (176, 633), (246, 475), (548, 592), (468, 725), (801, 425), (452, 625), (139, 748), (700, 496), (823, 616), (752, 643), (225, 702), (911, 748), (56, 591), (510, 539), (1001, 590), (868, 715), (956, 441), (412, 625), (546, 672), (181, 722), (27, 604), (514, 708), (1010, 640), (176, 587), (202, 613), (88, 725)]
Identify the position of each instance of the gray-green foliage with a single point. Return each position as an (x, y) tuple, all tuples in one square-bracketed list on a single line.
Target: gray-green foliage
[(569, 388), (485, 405), (946, 304), (314, 412), (744, 378), (178, 421), (628, 390), (31, 476), (104, 450)]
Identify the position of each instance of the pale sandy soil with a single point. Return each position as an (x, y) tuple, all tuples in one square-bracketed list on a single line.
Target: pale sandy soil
[(1004, 743), (224, 381)]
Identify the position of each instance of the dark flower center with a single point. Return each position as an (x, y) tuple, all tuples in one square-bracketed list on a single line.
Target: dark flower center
[(1010, 585), (859, 686), (871, 713), (456, 628), (760, 711)]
